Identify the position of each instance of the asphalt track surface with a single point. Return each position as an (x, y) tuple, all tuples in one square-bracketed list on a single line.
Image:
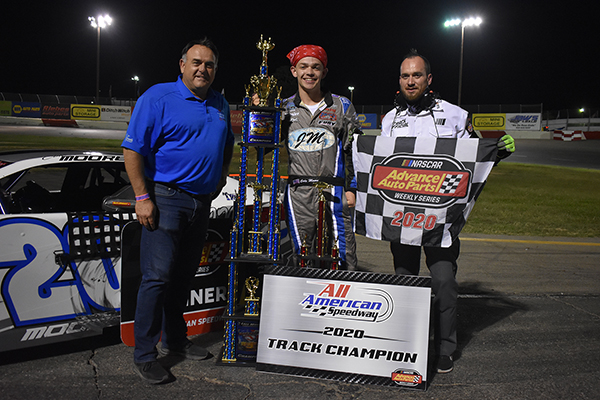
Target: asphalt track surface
[(528, 328)]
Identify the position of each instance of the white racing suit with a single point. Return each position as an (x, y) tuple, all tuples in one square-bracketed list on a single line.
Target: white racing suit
[(450, 122), (442, 120), (319, 148)]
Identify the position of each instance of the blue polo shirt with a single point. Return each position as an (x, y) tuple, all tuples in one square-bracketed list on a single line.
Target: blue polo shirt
[(181, 137)]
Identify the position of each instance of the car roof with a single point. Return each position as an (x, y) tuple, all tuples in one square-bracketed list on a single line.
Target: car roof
[(14, 161)]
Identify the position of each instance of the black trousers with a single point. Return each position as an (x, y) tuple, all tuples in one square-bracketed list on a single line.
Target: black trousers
[(442, 268)]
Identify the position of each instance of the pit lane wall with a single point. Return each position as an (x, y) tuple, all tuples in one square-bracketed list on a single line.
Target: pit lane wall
[(75, 115), (526, 126), (521, 126), (90, 116), (490, 125)]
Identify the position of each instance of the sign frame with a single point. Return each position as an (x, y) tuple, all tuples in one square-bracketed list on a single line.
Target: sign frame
[(305, 331)]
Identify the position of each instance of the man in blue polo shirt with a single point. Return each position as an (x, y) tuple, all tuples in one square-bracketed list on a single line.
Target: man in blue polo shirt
[(177, 152)]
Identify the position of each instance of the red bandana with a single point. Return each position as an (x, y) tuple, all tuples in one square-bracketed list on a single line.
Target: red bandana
[(307, 50)]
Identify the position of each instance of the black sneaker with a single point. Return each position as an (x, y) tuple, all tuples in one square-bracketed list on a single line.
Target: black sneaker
[(151, 372), (189, 351), (445, 364)]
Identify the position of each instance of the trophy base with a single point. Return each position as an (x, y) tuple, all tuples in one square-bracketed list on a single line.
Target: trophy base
[(320, 262), (233, 363), (246, 343)]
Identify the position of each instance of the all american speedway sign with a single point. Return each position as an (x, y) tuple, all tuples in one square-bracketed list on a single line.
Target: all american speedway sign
[(418, 191), (354, 327)]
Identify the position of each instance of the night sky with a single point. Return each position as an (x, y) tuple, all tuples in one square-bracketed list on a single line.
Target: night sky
[(525, 52)]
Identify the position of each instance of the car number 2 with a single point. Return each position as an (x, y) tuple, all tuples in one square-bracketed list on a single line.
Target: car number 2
[(35, 289)]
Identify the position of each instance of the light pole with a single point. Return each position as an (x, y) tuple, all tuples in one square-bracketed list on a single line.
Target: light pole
[(101, 22), (465, 22), (351, 89), (135, 80)]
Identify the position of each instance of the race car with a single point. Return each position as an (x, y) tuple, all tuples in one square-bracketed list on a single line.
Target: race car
[(69, 245)]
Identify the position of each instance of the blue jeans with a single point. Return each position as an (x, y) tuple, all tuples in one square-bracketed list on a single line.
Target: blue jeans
[(169, 258)]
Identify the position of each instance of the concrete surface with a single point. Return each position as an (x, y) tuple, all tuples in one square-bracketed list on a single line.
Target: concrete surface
[(529, 328)]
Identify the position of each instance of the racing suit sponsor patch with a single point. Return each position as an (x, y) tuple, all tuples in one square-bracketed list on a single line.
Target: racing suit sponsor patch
[(310, 139)]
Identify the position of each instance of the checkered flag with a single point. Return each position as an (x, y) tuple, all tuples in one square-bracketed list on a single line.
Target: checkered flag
[(418, 190), (319, 310), (215, 251), (450, 183)]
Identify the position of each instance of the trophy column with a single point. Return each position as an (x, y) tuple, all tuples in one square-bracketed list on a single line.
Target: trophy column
[(326, 253), (251, 247)]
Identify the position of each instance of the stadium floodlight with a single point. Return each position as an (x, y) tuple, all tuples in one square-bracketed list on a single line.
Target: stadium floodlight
[(471, 21), (101, 22), (351, 89), (452, 22), (136, 80)]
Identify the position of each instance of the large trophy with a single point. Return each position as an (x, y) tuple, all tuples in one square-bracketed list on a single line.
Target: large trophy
[(326, 254), (252, 245)]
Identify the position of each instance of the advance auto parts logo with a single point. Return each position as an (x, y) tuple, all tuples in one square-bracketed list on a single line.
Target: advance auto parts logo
[(348, 302), (407, 377), (421, 180)]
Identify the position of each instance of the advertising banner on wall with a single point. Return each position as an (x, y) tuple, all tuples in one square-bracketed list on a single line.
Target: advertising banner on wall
[(56, 111), (508, 121), (237, 117), (348, 326), (85, 112), (26, 109), (524, 122), (5, 108), (489, 122), (368, 121), (115, 113)]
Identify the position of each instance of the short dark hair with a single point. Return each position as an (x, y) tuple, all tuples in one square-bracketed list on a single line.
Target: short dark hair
[(206, 42), (414, 53)]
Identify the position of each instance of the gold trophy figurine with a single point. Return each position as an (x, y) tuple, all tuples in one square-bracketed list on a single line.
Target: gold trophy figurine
[(265, 46), (251, 307), (263, 84)]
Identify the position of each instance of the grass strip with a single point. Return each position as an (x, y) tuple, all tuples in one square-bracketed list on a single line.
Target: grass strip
[(538, 200)]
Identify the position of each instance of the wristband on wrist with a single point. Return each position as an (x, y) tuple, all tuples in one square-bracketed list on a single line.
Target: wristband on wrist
[(142, 197)]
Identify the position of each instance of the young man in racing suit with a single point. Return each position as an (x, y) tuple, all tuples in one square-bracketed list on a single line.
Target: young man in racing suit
[(419, 113), (318, 128)]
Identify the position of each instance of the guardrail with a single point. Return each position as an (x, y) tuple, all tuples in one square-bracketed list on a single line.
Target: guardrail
[(573, 124)]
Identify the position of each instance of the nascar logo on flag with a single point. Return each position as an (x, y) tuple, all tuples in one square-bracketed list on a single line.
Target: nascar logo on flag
[(418, 191)]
